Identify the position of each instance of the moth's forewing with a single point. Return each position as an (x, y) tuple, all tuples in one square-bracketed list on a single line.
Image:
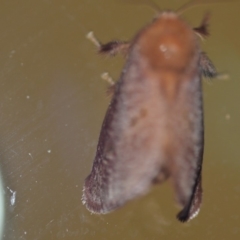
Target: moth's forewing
[(186, 170), (129, 153)]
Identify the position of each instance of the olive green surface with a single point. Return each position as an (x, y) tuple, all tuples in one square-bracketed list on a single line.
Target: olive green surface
[(52, 103)]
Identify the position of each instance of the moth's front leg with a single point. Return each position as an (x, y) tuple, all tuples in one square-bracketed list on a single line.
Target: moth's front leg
[(111, 48)]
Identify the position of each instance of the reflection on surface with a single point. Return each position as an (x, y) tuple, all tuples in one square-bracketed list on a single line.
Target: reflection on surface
[(53, 101)]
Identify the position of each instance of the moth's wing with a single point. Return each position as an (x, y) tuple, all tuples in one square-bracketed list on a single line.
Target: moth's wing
[(128, 157), (186, 173)]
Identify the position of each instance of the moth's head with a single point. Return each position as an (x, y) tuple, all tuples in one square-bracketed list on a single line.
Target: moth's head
[(168, 42)]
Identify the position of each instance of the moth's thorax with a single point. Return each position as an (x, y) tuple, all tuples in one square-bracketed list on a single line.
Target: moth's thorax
[(168, 44)]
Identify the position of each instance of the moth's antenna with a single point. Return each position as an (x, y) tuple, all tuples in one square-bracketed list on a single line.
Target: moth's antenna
[(148, 3), (188, 5), (195, 3)]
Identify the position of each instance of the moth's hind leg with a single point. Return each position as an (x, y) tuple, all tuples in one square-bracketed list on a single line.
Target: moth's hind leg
[(111, 48)]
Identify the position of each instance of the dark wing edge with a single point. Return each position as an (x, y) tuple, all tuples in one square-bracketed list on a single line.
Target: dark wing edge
[(95, 183), (192, 206), (192, 209)]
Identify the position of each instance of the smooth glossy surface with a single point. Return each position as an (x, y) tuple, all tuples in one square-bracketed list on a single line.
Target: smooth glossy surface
[(52, 105)]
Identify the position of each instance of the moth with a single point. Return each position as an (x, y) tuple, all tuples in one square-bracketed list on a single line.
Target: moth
[(153, 129)]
